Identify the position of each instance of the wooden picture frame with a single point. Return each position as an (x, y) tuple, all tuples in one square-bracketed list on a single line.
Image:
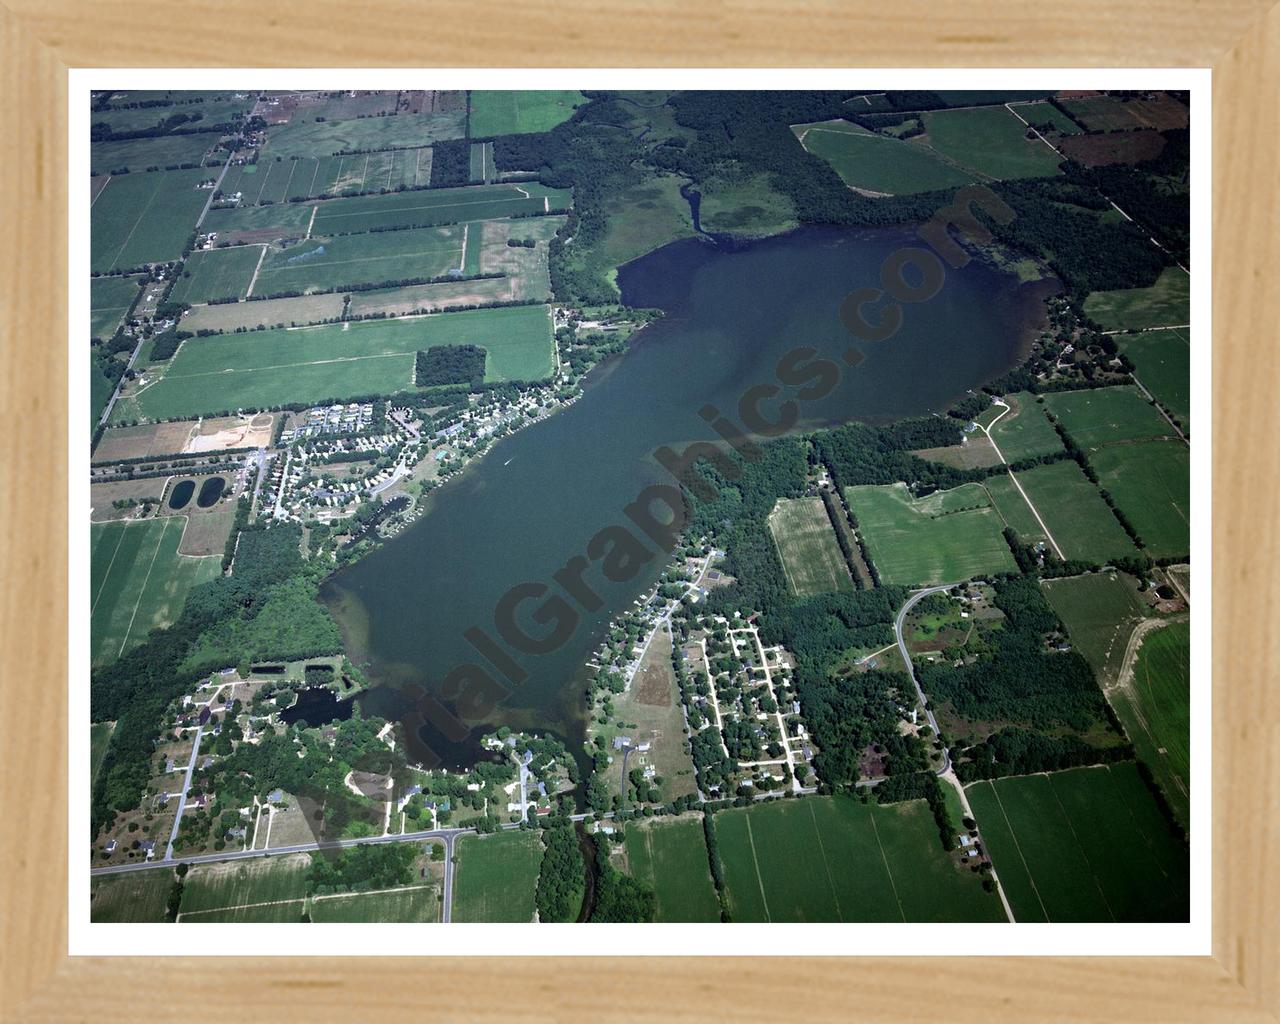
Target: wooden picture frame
[(1240, 39)]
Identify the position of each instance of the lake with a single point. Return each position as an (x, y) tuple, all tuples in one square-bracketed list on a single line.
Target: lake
[(536, 499)]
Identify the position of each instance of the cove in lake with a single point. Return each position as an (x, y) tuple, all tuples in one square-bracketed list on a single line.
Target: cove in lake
[(317, 705), (532, 503)]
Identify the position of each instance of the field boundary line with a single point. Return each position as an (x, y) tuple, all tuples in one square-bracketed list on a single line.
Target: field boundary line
[(887, 870), (1080, 846), (254, 280), (443, 206), (1018, 846), (143, 589), (369, 892), (242, 906), (142, 213), (107, 575), (822, 849), (756, 861), (288, 366)]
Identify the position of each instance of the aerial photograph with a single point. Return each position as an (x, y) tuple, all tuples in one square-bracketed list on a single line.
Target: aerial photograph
[(572, 506)]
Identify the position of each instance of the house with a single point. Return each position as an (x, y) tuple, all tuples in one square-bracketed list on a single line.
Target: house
[(236, 833), (965, 841), (147, 846), (110, 847), (276, 796)]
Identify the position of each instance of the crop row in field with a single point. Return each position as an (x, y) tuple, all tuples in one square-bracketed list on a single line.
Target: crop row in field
[(807, 547), (138, 581), (1088, 844), (836, 859)]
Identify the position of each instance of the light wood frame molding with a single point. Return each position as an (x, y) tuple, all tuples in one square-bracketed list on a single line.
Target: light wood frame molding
[(1239, 39)]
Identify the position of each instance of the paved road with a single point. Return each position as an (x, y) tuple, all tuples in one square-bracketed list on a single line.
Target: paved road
[(106, 413), (911, 669), (182, 797), (446, 909)]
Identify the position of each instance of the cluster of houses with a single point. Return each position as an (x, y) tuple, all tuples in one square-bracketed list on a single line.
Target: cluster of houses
[(351, 418)]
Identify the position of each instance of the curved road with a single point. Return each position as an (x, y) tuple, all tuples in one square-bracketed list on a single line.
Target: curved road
[(911, 669)]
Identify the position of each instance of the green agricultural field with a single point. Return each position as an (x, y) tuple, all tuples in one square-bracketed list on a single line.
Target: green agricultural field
[(1088, 844), (210, 110), (110, 298), (1100, 612), (298, 178), (138, 581), (1150, 483), (671, 856), (991, 142), (99, 737), (1097, 416), (1074, 512), (437, 206), (807, 546), (1044, 112), (320, 264), (417, 905), (496, 877), (1155, 707), (515, 111), (216, 274), (141, 154), (131, 898), (235, 884), (1162, 361), (1013, 509), (276, 912), (145, 218), (1167, 303), (878, 163), (944, 537), (260, 223), (304, 136), (265, 369), (837, 859), (1024, 431)]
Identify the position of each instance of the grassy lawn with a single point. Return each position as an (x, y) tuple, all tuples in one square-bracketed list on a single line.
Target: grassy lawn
[(145, 218), (410, 905), (231, 887), (1073, 511), (1098, 416), (1167, 303), (1100, 612), (1024, 431), (874, 162), (137, 896), (515, 111), (1156, 711), (671, 856), (808, 549), (944, 537), (1162, 361), (109, 300), (216, 274), (991, 142), (304, 136), (138, 581), (1088, 844), (99, 736), (342, 361), (496, 877), (836, 859), (1150, 483), (322, 263), (437, 206)]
